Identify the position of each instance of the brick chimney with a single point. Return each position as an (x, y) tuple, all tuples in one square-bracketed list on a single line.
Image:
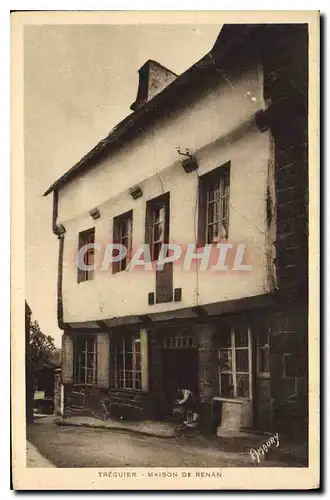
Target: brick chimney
[(153, 78)]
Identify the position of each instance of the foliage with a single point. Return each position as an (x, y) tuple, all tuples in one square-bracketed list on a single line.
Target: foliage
[(41, 350)]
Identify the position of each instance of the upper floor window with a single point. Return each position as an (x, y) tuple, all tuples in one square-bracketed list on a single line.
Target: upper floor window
[(85, 360), (157, 224), (86, 271), (122, 234), (213, 225)]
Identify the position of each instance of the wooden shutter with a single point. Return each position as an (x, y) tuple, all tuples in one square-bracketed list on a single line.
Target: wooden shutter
[(103, 356), (144, 360), (201, 220), (148, 223), (67, 359), (116, 239), (164, 277)]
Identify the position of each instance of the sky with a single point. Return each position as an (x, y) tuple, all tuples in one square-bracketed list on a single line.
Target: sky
[(79, 82)]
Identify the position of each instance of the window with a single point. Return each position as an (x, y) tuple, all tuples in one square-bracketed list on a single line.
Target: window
[(213, 224), (157, 224), (235, 377), (263, 352), (85, 360), (128, 362), (122, 233), (86, 238)]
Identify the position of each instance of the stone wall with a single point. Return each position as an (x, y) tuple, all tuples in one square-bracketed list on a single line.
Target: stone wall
[(289, 371)]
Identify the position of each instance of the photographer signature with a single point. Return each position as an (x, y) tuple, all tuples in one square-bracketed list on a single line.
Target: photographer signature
[(273, 441)]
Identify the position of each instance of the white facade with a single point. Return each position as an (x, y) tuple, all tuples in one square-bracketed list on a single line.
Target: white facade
[(217, 127)]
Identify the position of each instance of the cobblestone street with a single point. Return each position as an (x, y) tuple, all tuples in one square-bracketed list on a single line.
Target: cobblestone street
[(84, 447)]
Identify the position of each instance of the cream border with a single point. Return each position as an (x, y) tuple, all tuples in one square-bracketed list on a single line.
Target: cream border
[(76, 479)]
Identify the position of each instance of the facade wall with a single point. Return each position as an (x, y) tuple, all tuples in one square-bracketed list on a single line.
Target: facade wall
[(278, 398), (151, 160)]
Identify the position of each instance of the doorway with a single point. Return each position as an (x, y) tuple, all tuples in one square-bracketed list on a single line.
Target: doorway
[(180, 371)]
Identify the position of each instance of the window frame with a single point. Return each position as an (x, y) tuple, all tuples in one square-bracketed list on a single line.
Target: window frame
[(76, 371), (233, 372), (84, 238), (121, 381), (158, 203), (218, 182), (118, 237)]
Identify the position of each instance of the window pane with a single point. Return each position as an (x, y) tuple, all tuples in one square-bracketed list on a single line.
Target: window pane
[(241, 338), (137, 380), (213, 212), (124, 241), (242, 386), (213, 233), (82, 375), (123, 263), (263, 338), (225, 360), (213, 190), (158, 232), (120, 360), (137, 362), (226, 382), (128, 361), (90, 376), (137, 344), (242, 360), (225, 338), (90, 344), (124, 228), (225, 206), (156, 250), (159, 214)]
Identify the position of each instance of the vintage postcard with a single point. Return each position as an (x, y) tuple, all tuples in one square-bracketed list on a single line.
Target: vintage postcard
[(165, 260)]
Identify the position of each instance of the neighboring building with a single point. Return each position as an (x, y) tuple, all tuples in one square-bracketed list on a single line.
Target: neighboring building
[(217, 154)]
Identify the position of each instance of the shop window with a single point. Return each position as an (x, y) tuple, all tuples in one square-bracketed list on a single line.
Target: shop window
[(85, 360), (235, 371), (128, 362)]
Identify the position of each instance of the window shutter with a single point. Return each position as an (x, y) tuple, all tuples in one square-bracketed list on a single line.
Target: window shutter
[(144, 360), (116, 239), (103, 355), (148, 224), (201, 220), (164, 277), (67, 359)]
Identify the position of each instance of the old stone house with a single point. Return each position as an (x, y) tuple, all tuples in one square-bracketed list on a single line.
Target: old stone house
[(218, 154)]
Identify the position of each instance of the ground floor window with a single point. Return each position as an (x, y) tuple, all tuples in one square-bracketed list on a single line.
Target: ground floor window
[(85, 360), (235, 365), (128, 361)]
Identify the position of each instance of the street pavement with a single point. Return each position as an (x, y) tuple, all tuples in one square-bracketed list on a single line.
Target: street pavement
[(84, 447), (34, 457)]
